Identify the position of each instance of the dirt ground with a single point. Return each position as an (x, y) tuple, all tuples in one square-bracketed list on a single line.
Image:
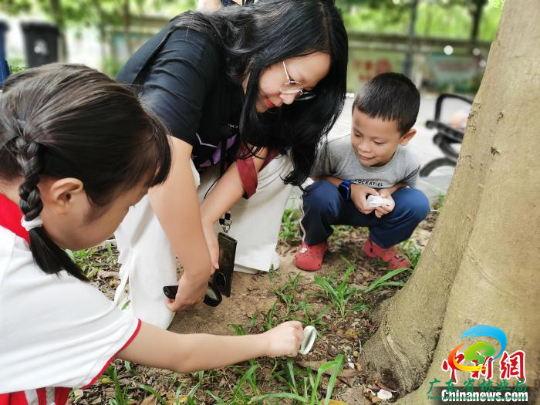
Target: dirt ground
[(253, 304)]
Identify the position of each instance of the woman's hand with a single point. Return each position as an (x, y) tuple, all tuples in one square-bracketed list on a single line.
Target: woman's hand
[(213, 245), (284, 340), (177, 208), (190, 293)]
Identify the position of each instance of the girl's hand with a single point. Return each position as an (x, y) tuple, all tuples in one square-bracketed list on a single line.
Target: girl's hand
[(213, 245), (284, 340)]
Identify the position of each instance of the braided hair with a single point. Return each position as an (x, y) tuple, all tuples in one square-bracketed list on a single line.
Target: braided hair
[(64, 121)]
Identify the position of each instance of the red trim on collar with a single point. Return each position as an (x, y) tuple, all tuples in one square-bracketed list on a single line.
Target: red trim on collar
[(10, 217)]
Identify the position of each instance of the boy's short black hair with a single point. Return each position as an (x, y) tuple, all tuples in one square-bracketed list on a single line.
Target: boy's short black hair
[(391, 97)]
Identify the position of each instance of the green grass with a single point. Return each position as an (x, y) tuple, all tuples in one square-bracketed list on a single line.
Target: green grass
[(382, 282), (290, 232), (121, 395), (92, 260), (262, 381), (338, 292), (412, 251)]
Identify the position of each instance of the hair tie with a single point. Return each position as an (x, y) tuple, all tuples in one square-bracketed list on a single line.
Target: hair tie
[(10, 136), (34, 223)]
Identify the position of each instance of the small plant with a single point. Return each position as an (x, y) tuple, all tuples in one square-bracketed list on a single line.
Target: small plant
[(382, 281), (121, 396), (268, 320), (83, 258), (289, 231), (307, 315), (338, 293), (188, 399), (154, 393), (412, 251), (287, 293), (309, 394), (238, 329)]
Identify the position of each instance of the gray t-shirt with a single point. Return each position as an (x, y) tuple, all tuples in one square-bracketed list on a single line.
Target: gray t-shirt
[(338, 159)]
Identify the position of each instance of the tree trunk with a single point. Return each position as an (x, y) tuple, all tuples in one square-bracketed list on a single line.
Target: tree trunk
[(58, 17), (481, 262), (126, 12), (103, 37), (476, 15)]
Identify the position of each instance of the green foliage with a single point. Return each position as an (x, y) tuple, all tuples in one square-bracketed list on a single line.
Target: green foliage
[(339, 293), (17, 69), (92, 260), (309, 316), (189, 399), (435, 18), (383, 281), (290, 231), (411, 250), (310, 393), (121, 396), (154, 393)]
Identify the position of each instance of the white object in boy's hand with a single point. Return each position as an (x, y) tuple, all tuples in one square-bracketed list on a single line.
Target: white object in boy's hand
[(377, 201), (310, 334)]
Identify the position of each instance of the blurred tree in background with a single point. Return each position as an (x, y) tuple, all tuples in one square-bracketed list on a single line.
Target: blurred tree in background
[(99, 14), (472, 19), (462, 20)]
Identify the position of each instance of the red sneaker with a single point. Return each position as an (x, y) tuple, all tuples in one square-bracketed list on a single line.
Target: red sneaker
[(393, 257), (310, 258)]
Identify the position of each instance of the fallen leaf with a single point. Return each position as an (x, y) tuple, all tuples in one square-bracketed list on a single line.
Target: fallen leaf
[(108, 274), (350, 333), (335, 402), (349, 373), (313, 364), (384, 387), (149, 400)]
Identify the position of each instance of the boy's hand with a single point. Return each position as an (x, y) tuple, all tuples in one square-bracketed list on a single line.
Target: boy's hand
[(387, 208), (284, 340), (359, 194)]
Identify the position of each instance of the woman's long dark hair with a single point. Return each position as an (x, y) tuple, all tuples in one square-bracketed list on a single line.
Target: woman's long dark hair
[(64, 121), (270, 31)]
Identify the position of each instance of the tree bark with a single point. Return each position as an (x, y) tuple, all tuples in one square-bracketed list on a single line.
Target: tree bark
[(476, 15), (58, 17), (126, 13), (481, 262)]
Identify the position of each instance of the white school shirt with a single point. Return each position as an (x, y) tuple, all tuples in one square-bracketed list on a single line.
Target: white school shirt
[(55, 330)]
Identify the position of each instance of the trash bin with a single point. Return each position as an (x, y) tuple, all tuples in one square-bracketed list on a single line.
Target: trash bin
[(4, 68), (40, 43)]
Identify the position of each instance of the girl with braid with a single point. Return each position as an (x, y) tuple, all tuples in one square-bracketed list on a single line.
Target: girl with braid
[(77, 150)]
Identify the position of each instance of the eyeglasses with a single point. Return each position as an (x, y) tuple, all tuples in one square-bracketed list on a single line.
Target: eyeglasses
[(293, 87)]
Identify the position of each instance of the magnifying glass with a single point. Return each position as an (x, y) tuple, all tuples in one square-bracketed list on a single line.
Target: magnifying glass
[(212, 298), (310, 334)]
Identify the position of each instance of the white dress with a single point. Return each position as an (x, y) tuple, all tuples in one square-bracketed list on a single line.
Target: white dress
[(149, 263)]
